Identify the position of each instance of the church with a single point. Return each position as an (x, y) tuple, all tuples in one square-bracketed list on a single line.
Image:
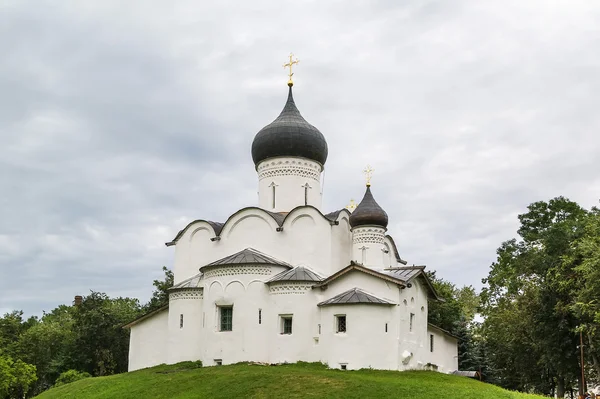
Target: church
[(284, 281)]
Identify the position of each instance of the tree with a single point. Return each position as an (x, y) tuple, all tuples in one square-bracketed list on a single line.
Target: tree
[(16, 377), (455, 313), (530, 327), (160, 296), (585, 261), (49, 345), (101, 344)]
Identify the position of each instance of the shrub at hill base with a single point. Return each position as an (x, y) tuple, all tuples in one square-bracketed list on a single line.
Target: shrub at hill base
[(16, 378)]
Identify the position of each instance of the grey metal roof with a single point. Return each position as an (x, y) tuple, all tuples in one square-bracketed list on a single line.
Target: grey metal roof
[(355, 296), (332, 216), (192, 282), (298, 273), (406, 273), (289, 135), (359, 267), (248, 256)]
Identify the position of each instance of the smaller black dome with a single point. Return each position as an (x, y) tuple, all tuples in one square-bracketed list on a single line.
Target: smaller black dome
[(368, 212), (289, 135)]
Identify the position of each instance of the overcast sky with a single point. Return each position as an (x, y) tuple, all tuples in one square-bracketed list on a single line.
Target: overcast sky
[(120, 122)]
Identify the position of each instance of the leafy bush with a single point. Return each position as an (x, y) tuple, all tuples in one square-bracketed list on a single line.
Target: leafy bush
[(70, 376)]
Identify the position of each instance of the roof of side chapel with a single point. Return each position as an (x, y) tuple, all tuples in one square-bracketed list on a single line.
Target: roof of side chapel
[(355, 296), (298, 273), (248, 256)]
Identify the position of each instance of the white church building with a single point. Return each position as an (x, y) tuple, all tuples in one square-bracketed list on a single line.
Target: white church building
[(284, 281)]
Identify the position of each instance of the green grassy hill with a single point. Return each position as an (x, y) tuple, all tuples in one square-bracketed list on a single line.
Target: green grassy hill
[(186, 380)]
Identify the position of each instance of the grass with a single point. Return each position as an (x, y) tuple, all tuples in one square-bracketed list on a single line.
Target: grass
[(301, 380)]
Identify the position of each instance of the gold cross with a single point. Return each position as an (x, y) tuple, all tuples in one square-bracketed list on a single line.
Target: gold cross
[(351, 206), (289, 65), (368, 174)]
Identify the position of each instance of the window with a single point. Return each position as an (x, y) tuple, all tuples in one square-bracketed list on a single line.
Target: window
[(286, 324), (412, 318), (319, 329), (226, 317), (385, 327), (343, 366), (181, 321), (430, 342), (259, 316), (218, 362), (340, 323)]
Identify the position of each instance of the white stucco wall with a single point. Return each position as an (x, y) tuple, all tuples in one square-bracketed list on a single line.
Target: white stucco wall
[(307, 239), (365, 343), (148, 342), (445, 350), (289, 175), (243, 288), (413, 300), (183, 342)]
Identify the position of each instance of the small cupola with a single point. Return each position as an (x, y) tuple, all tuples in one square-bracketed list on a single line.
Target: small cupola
[(368, 212)]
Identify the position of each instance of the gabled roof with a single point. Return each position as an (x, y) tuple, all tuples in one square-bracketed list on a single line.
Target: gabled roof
[(298, 273), (355, 296), (145, 316), (192, 282), (448, 333), (405, 273), (247, 256), (363, 269), (409, 273)]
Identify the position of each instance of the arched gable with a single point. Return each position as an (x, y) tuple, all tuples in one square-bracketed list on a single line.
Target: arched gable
[(278, 218)]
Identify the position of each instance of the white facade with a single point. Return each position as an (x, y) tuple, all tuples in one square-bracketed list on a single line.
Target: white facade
[(283, 282)]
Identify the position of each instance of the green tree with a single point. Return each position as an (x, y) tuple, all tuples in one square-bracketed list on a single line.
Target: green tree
[(455, 313), (585, 261), (160, 295), (49, 345), (530, 328), (16, 377), (101, 344)]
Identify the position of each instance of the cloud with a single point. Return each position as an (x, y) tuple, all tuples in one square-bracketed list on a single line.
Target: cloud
[(120, 123)]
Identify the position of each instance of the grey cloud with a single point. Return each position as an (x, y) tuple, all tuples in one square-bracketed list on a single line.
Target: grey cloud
[(120, 123)]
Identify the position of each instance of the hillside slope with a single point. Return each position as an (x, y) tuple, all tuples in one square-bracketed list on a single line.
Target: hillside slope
[(186, 380)]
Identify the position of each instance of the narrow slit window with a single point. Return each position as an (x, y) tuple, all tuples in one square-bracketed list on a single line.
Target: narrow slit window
[(273, 196), (386, 327), (430, 342), (412, 319), (259, 316), (181, 321)]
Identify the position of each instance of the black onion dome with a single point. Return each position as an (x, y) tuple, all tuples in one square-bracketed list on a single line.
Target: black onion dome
[(289, 135), (368, 212)]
